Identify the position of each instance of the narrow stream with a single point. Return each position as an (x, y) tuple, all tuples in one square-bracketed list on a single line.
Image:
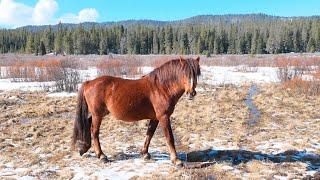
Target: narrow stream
[(254, 113)]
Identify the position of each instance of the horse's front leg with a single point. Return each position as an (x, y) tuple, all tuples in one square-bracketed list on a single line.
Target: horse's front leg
[(166, 126), (95, 128), (150, 132)]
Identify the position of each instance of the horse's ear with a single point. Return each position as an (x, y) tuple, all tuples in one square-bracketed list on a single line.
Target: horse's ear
[(198, 59)]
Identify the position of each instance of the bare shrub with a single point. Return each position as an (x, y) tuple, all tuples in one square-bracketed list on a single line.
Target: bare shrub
[(299, 74), (301, 86), (290, 68), (63, 72), (157, 63), (315, 85), (65, 75), (27, 71), (116, 67)]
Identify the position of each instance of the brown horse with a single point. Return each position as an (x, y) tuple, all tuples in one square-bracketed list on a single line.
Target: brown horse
[(153, 97)]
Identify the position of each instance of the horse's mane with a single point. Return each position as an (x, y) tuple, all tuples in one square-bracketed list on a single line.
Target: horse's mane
[(173, 70)]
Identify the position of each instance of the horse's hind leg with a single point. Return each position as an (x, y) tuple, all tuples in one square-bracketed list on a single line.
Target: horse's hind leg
[(95, 129), (151, 129)]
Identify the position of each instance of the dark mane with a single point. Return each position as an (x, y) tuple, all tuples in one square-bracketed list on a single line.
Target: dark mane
[(173, 70)]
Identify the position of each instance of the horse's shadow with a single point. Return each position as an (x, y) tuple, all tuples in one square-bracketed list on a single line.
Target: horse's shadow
[(235, 157)]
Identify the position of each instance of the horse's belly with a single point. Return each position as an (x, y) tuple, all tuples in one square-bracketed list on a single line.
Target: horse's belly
[(133, 112), (132, 116)]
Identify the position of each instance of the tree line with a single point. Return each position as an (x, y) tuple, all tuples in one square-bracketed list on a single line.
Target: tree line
[(254, 36)]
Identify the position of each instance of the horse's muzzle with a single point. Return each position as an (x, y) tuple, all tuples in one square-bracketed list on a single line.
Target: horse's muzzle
[(82, 147), (191, 95)]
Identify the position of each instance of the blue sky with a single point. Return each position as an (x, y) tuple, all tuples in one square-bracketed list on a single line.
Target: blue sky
[(53, 11)]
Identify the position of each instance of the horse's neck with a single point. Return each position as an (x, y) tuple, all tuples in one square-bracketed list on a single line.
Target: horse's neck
[(175, 91), (172, 89), (176, 96)]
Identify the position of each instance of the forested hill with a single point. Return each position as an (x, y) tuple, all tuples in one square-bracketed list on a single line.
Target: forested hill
[(206, 34), (89, 25), (196, 20)]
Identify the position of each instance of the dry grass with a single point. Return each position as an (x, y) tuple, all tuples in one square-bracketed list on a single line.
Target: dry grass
[(285, 114), (36, 132)]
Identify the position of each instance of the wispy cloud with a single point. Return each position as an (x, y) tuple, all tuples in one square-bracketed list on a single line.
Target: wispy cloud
[(15, 14)]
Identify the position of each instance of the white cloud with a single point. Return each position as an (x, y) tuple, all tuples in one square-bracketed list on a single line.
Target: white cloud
[(44, 11), (88, 14), (15, 14), (85, 15)]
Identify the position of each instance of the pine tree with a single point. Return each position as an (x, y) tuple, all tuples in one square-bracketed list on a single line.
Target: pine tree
[(168, 39), (68, 43), (311, 47), (255, 35), (185, 44), (103, 47), (42, 49), (48, 39), (58, 41), (30, 45), (155, 43)]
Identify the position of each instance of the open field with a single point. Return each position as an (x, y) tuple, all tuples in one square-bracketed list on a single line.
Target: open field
[(36, 132), (242, 123)]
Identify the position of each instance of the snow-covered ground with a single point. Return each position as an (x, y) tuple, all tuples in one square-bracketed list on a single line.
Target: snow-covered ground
[(61, 94), (7, 85), (217, 75), (213, 75)]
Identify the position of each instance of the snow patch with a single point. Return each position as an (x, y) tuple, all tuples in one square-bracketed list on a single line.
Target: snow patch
[(125, 169), (7, 85), (61, 94), (217, 75)]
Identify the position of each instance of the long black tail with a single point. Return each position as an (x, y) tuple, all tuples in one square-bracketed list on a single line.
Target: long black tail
[(82, 125)]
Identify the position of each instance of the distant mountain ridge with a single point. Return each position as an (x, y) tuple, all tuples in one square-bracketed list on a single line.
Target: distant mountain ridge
[(200, 19)]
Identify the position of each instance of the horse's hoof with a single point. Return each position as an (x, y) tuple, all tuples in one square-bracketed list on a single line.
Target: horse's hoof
[(81, 153), (146, 156), (178, 164), (104, 159)]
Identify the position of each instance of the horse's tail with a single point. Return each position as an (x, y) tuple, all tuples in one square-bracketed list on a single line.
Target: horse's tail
[(82, 124)]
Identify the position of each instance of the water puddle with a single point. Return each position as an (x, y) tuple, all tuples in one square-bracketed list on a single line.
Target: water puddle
[(254, 113)]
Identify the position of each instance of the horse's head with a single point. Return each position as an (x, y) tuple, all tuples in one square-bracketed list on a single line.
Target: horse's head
[(178, 76), (190, 78)]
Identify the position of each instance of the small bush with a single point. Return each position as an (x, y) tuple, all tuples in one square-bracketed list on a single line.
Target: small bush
[(300, 75), (291, 68), (116, 67), (300, 86), (66, 76)]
